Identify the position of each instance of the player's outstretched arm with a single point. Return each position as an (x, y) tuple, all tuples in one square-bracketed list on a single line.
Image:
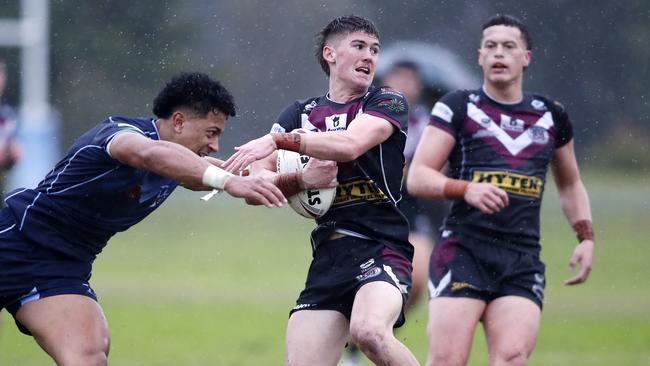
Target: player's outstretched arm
[(426, 180), (363, 133), (575, 204), (174, 161)]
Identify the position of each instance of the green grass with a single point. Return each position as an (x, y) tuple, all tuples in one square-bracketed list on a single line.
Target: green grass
[(212, 284)]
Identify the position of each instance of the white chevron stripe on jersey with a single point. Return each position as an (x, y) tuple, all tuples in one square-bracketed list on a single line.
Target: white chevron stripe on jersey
[(516, 145), (444, 282), (306, 124)]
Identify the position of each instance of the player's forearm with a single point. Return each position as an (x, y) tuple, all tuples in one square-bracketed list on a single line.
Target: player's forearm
[(176, 162), (575, 202), (338, 146), (425, 182)]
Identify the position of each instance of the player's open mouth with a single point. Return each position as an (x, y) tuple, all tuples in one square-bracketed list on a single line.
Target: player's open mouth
[(499, 66), (363, 69)]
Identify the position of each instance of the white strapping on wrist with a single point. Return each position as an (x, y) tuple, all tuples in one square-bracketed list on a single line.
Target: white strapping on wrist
[(215, 177)]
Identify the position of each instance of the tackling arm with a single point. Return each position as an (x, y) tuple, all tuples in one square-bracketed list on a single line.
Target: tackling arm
[(174, 161)]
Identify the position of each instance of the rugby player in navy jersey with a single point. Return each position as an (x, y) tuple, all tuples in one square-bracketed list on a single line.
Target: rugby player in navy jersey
[(499, 142), (360, 274), (112, 177)]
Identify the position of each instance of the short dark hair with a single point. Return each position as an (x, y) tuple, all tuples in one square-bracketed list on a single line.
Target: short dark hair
[(510, 21), (341, 25), (195, 91)]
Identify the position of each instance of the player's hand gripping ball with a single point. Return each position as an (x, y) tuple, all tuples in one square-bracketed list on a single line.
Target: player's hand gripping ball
[(311, 203)]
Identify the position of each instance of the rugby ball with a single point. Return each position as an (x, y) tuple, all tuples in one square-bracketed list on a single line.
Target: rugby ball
[(310, 203)]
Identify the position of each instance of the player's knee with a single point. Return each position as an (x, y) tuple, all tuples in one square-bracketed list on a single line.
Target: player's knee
[(95, 354), (512, 356), (445, 358), (369, 335)]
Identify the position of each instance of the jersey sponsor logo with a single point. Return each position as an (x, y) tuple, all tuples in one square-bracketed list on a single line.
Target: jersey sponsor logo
[(539, 105), (513, 145), (336, 122), (368, 263), (520, 184), (369, 273), (310, 106), (457, 286), (512, 124), (442, 111), (358, 190), (394, 105)]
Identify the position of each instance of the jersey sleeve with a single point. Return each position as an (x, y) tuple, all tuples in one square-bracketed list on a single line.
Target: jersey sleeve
[(388, 104), (564, 125), (447, 114), (111, 128), (288, 120)]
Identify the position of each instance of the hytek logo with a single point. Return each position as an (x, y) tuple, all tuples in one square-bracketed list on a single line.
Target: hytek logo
[(523, 185), (336, 122), (457, 286), (358, 190)]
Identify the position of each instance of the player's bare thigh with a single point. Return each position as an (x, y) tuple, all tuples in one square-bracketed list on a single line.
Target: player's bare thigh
[(451, 327), (316, 337), (511, 325), (70, 328)]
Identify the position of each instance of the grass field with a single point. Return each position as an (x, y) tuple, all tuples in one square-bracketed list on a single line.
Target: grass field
[(212, 284)]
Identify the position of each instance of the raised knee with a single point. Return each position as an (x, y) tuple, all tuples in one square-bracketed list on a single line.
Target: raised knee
[(368, 336)]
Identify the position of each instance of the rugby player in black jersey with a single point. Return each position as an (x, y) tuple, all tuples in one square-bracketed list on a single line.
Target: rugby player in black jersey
[(499, 142), (360, 274)]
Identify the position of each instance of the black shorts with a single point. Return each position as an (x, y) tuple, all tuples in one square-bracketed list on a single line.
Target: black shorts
[(425, 216), (463, 266), (341, 266), (29, 271)]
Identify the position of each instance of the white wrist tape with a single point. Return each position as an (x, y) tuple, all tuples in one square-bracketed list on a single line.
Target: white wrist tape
[(215, 177)]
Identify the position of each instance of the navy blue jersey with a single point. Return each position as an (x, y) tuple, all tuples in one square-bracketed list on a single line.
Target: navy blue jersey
[(508, 145), (89, 195), (369, 187)]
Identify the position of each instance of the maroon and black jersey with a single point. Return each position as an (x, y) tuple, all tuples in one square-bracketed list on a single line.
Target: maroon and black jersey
[(508, 145), (369, 187)]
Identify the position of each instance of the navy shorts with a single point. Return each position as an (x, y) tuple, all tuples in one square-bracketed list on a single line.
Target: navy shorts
[(341, 266), (29, 271), (463, 266)]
